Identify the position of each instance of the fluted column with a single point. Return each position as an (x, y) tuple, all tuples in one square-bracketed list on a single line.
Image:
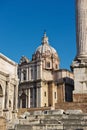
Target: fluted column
[(81, 28)]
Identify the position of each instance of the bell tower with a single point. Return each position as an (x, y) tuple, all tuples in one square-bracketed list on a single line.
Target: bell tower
[(79, 64)]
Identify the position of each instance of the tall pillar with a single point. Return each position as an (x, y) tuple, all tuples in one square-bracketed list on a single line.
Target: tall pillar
[(81, 28), (38, 96), (79, 65)]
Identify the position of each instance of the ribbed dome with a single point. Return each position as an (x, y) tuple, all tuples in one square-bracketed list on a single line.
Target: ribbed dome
[(45, 47)]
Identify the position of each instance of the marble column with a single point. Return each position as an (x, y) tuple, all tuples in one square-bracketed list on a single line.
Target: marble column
[(79, 65), (33, 97), (28, 98), (38, 95), (81, 28)]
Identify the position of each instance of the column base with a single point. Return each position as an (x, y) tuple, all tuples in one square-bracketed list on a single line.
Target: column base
[(79, 63)]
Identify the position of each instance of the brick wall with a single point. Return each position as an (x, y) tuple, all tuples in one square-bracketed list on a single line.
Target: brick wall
[(80, 97), (72, 106)]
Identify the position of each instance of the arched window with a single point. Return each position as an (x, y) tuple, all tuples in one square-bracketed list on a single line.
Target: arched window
[(1, 91)]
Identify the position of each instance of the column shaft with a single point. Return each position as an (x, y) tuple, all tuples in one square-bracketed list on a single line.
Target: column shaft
[(28, 98), (81, 27)]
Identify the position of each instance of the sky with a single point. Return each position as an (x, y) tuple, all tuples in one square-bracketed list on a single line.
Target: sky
[(22, 24)]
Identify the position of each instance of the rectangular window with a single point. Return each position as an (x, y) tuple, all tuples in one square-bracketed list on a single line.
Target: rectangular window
[(45, 94), (24, 75), (48, 64)]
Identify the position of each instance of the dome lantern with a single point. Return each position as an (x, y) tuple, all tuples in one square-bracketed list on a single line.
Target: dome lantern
[(44, 39)]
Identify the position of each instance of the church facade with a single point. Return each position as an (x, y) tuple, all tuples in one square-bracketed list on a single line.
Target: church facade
[(42, 83), (8, 88)]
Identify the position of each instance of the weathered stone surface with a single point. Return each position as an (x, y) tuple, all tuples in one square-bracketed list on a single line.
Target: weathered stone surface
[(8, 88), (59, 111), (37, 113), (81, 25), (25, 115), (73, 112), (54, 122), (79, 64)]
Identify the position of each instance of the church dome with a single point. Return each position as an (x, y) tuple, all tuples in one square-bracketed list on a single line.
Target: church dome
[(45, 48), (47, 54)]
